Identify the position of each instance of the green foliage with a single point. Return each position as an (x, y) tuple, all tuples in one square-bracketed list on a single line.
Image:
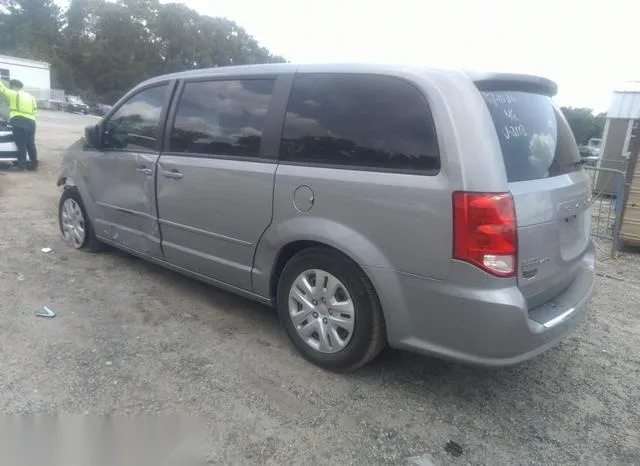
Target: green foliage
[(584, 124), (29, 28), (101, 48)]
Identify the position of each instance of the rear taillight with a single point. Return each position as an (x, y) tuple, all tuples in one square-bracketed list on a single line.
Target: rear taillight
[(485, 232)]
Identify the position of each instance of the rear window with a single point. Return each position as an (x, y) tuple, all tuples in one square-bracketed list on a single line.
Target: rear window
[(535, 139)]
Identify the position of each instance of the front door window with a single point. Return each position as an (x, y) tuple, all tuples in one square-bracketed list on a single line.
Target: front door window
[(135, 125)]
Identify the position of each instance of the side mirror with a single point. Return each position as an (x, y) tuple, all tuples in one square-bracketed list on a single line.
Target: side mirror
[(92, 136)]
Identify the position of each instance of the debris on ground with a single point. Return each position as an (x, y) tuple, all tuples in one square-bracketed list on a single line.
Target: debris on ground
[(423, 460), (46, 250), (453, 449), (46, 312), (604, 275), (18, 275)]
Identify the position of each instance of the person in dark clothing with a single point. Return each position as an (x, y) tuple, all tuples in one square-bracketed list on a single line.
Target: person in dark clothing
[(22, 117)]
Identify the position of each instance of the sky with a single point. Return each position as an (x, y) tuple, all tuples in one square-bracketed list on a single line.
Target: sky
[(585, 46)]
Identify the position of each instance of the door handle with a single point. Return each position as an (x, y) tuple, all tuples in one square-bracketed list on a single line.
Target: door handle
[(173, 174), (146, 171)]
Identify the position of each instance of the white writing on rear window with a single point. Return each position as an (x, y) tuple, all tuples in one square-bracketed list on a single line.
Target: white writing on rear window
[(497, 99), (510, 132), (511, 115)]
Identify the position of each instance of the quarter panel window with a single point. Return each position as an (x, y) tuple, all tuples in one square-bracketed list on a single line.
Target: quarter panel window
[(222, 117), (135, 125), (350, 120)]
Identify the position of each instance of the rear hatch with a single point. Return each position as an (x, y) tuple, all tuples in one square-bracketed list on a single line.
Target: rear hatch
[(551, 190)]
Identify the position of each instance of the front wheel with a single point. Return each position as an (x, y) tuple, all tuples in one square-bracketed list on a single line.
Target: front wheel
[(330, 310), (75, 225)]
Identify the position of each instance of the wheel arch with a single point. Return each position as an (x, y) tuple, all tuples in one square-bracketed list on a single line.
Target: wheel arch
[(282, 242), (287, 253), (74, 174)]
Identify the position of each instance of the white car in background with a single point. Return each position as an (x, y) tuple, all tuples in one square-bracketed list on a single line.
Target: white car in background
[(590, 153)]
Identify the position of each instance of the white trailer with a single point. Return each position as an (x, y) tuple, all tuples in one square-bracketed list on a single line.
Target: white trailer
[(35, 75)]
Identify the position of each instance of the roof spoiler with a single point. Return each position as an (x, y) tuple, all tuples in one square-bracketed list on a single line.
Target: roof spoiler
[(513, 82)]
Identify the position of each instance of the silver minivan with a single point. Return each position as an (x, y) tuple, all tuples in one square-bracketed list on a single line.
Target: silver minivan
[(439, 212)]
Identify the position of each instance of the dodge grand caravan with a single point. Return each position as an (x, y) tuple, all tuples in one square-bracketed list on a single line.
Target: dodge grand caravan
[(440, 212)]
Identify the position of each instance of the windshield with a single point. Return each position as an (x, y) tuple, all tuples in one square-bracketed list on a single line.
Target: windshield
[(534, 136), (75, 100)]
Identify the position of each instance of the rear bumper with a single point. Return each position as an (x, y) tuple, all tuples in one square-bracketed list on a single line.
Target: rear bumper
[(485, 324)]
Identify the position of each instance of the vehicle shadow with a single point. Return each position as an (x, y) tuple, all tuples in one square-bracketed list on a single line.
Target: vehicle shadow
[(224, 302), (415, 375), (392, 366)]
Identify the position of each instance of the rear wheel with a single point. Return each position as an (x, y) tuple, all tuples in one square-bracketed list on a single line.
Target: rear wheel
[(330, 310), (75, 225)]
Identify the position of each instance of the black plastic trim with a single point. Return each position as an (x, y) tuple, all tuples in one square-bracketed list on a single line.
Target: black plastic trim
[(219, 157), (360, 168)]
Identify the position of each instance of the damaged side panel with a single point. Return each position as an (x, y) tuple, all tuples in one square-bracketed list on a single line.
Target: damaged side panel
[(74, 173), (118, 190), (123, 185)]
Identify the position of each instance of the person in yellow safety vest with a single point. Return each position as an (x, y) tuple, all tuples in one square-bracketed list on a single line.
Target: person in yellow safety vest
[(22, 117)]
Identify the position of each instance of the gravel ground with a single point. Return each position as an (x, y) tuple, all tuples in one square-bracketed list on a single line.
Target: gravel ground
[(132, 338)]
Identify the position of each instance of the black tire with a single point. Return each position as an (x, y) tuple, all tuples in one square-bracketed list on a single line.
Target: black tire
[(91, 243), (369, 334)]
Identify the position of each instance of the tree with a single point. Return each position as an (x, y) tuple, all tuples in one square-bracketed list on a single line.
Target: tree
[(101, 48), (584, 124), (30, 28)]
